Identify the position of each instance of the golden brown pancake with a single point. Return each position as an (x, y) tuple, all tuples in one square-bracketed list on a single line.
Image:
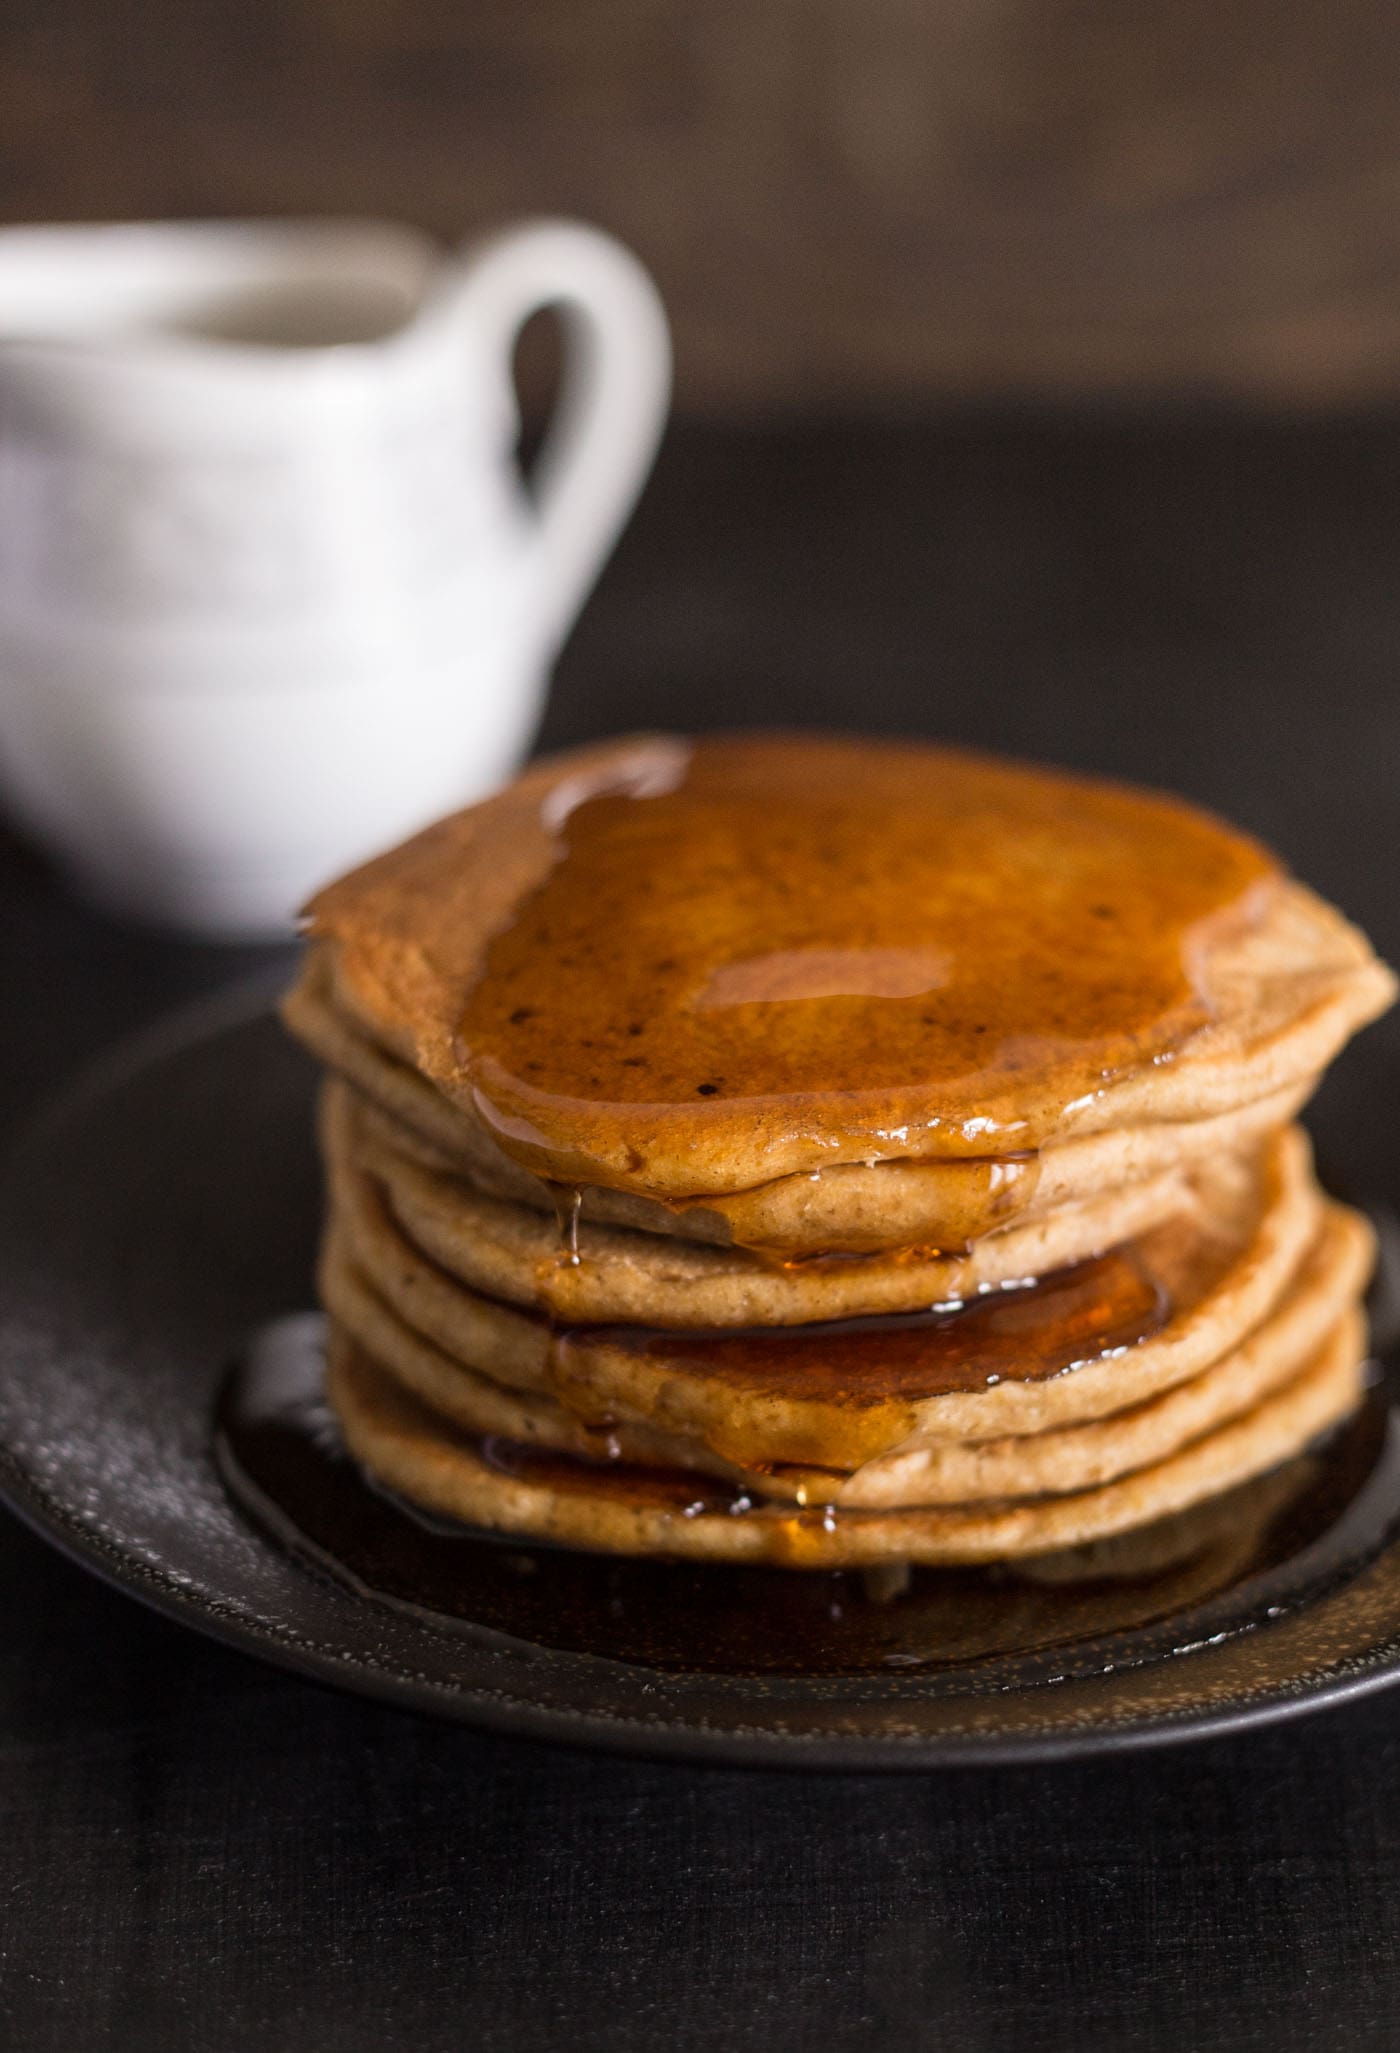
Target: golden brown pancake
[(1097, 1339), (687, 969), (830, 1154), (515, 1253), (849, 1467), (614, 1508), (851, 1208)]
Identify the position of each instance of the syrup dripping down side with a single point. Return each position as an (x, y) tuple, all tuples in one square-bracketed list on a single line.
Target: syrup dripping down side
[(281, 1454)]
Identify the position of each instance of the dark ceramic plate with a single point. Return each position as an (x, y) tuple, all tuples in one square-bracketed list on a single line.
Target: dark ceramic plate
[(168, 1208)]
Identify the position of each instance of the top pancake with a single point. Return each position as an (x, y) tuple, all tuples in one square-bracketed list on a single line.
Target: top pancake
[(679, 970)]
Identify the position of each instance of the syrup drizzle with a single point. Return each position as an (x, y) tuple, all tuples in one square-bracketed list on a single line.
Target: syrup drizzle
[(568, 1204), (837, 1393), (1028, 1333), (959, 1202), (818, 951), (1229, 1566)]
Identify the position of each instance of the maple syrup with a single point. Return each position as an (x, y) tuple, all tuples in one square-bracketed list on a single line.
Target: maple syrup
[(568, 1206), (837, 1393), (620, 1482), (963, 1200), (1027, 1333), (801, 950), (1260, 1549)]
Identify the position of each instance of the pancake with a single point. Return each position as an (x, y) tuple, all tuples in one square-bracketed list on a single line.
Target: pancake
[(920, 1470), (850, 1208), (1219, 1271), (672, 1514), (888, 953), (932, 1470), (831, 1154), (514, 1253), (530, 1418), (1219, 1536)]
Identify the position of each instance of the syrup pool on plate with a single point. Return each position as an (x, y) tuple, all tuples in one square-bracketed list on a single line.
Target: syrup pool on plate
[(1226, 1566)]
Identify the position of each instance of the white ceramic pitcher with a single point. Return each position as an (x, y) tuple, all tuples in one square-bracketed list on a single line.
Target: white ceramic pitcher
[(272, 593)]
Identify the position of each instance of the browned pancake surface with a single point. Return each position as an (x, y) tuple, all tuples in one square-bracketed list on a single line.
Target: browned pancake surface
[(686, 968)]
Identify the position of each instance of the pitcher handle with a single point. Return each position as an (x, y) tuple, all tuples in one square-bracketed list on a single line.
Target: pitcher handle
[(613, 398)]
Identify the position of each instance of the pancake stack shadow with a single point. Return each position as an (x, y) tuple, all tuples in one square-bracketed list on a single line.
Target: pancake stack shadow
[(902, 1355)]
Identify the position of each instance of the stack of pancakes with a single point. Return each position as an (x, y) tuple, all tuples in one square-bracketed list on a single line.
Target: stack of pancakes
[(829, 1154)]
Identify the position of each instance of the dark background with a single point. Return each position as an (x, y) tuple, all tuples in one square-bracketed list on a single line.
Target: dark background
[(860, 204), (1036, 386)]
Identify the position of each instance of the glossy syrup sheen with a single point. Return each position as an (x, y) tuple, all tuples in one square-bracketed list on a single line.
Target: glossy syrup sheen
[(1266, 1544), (848, 1376), (964, 1200), (828, 944), (618, 1482), (1026, 1334)]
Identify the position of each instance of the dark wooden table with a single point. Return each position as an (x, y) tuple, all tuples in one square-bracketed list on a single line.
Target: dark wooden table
[(198, 1853)]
